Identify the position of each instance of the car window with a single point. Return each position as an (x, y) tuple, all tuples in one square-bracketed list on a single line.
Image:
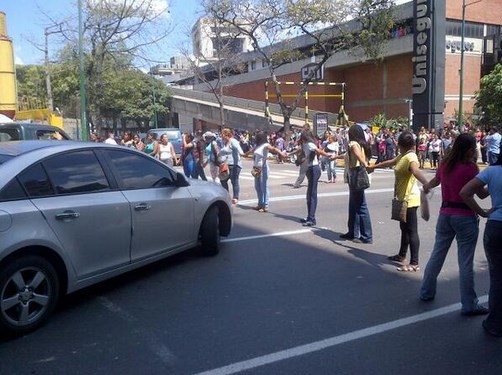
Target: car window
[(138, 171), (9, 135), (13, 190), (36, 182), (49, 134), (174, 135), (76, 172)]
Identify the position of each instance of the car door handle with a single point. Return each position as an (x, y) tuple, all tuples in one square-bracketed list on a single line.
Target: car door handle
[(142, 207), (67, 215)]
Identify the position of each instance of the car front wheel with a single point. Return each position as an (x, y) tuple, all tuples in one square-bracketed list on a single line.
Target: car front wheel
[(29, 288), (210, 232)]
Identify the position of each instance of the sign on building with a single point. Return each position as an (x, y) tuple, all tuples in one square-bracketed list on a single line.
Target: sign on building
[(307, 69), (320, 124)]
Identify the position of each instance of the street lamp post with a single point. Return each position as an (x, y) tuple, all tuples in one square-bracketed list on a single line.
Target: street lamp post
[(461, 89), (83, 117)]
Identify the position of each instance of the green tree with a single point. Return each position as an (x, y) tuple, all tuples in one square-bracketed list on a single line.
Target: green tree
[(273, 25), (31, 89), (489, 97)]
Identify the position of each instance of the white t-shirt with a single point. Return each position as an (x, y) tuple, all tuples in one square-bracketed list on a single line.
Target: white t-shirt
[(165, 151), (492, 177), (307, 149), (260, 155), (110, 141)]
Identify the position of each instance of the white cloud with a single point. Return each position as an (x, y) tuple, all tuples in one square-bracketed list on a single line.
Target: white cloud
[(18, 60)]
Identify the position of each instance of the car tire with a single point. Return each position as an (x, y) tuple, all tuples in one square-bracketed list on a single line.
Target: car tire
[(210, 232), (29, 291)]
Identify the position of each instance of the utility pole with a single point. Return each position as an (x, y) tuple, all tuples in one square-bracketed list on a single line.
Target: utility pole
[(83, 109), (47, 32), (461, 90)]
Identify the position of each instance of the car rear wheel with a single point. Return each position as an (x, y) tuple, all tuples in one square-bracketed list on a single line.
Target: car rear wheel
[(210, 232), (29, 289)]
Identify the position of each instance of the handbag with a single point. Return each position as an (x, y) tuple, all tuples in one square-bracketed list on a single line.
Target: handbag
[(300, 158), (224, 173), (399, 210), (399, 207), (358, 178), (256, 172)]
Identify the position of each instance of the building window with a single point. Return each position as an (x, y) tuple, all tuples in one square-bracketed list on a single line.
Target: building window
[(471, 29), (253, 65)]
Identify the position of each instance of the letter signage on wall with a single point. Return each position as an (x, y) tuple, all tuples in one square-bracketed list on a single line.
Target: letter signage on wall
[(428, 63)]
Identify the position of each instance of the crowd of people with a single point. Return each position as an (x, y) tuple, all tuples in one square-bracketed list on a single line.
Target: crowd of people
[(453, 154)]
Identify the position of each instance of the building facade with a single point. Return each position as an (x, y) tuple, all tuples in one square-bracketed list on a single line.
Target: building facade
[(387, 87)]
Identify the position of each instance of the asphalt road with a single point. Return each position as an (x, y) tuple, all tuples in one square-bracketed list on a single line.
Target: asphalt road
[(278, 299)]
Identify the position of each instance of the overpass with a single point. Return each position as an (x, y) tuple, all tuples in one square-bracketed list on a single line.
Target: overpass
[(188, 105)]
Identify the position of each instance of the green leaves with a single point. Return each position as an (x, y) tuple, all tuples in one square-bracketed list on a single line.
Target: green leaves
[(489, 96)]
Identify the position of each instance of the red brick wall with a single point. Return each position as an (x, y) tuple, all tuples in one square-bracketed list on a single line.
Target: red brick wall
[(486, 11)]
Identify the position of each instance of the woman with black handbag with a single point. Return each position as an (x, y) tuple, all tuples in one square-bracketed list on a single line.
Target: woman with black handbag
[(359, 221), (407, 172)]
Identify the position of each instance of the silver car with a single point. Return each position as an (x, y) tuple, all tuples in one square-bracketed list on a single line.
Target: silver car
[(73, 214)]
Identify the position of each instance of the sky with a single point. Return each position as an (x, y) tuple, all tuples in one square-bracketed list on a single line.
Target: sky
[(27, 19)]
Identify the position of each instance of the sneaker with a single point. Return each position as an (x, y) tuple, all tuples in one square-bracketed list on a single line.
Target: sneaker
[(478, 310), (304, 220), (309, 223), (346, 236), (360, 240)]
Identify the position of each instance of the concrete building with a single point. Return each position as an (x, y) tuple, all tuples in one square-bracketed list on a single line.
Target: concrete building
[(391, 86), (208, 37)]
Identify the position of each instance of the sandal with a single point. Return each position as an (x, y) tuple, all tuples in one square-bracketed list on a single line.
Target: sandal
[(409, 268), (397, 258)]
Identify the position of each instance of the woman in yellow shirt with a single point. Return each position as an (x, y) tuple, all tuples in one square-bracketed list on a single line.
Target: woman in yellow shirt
[(406, 172)]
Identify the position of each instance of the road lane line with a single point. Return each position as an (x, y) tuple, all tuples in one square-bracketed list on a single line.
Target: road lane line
[(333, 341), (285, 233), (249, 202)]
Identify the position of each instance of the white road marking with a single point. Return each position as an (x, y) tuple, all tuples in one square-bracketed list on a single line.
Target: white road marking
[(285, 233), (333, 341), (153, 342), (252, 202)]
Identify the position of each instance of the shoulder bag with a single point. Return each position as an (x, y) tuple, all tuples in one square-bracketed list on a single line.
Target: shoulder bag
[(358, 177), (399, 207)]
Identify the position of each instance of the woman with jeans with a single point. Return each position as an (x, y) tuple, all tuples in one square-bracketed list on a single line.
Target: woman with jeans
[(359, 222), (312, 153), (456, 220), (260, 155), (231, 153), (407, 172), (492, 178)]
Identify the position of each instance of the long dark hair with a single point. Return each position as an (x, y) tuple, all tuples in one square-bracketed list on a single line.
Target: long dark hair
[(307, 136), (260, 138), (356, 134), (459, 151)]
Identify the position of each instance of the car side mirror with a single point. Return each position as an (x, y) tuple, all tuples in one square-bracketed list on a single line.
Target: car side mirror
[(181, 180)]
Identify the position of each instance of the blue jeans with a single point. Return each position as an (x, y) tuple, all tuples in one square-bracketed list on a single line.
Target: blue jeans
[(492, 240), (189, 166), (466, 230), (234, 171), (261, 187), (359, 223), (313, 175), (492, 157)]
